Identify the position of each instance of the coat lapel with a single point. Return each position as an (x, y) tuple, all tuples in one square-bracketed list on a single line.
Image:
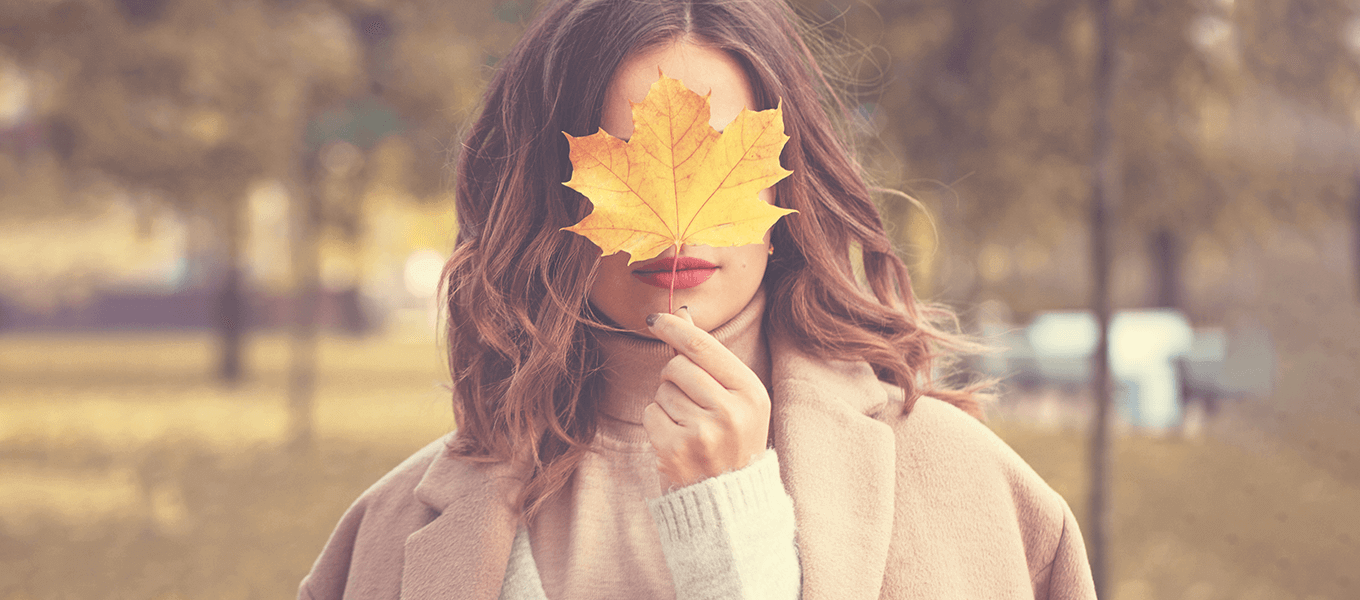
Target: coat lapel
[(838, 465), (463, 553)]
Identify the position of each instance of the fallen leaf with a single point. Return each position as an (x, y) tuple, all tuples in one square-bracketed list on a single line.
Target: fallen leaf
[(677, 180)]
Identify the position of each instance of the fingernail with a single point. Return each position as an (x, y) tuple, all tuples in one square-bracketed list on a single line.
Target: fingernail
[(651, 319)]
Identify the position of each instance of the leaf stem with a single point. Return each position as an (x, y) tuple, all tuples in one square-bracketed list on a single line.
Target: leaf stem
[(675, 263)]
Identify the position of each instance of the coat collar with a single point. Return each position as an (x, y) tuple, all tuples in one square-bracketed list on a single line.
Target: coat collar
[(822, 425)]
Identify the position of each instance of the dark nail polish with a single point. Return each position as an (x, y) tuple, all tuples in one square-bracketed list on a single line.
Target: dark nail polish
[(651, 319)]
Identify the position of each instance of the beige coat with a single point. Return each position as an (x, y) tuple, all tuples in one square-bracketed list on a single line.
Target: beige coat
[(931, 505)]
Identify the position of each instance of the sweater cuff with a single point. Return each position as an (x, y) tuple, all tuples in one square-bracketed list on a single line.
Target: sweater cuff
[(731, 536)]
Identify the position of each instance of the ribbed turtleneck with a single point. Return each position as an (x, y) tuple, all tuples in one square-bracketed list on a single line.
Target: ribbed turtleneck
[(633, 368), (597, 539)]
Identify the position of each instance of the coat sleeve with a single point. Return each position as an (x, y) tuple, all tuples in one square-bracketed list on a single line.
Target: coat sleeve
[(1068, 574)]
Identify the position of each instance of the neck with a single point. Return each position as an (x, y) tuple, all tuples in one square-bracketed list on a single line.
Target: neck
[(632, 367)]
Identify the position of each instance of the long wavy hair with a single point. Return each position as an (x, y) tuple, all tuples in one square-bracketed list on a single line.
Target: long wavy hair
[(522, 349)]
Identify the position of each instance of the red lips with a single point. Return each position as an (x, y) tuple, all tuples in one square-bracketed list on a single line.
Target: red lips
[(688, 272)]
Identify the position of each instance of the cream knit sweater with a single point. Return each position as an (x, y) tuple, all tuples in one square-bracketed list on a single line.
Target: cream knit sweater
[(612, 535), (730, 536)]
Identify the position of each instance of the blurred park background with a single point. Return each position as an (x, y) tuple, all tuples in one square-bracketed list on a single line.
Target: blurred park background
[(222, 224)]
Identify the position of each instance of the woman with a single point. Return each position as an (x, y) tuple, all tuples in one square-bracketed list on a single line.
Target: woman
[(780, 436)]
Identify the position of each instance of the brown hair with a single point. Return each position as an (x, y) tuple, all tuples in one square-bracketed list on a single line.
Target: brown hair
[(521, 349)]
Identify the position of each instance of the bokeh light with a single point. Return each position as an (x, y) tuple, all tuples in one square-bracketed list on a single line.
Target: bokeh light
[(423, 268)]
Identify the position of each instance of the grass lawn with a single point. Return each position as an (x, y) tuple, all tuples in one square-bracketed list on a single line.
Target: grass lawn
[(126, 472), (1201, 519)]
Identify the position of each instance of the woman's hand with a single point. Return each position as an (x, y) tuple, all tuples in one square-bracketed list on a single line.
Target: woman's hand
[(711, 413)]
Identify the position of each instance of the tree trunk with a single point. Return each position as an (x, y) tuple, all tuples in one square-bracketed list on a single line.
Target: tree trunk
[(1104, 197), (1355, 235), (303, 332), (231, 310), (960, 134), (1166, 256)]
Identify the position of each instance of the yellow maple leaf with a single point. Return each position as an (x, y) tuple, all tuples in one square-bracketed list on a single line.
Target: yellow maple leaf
[(677, 180)]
